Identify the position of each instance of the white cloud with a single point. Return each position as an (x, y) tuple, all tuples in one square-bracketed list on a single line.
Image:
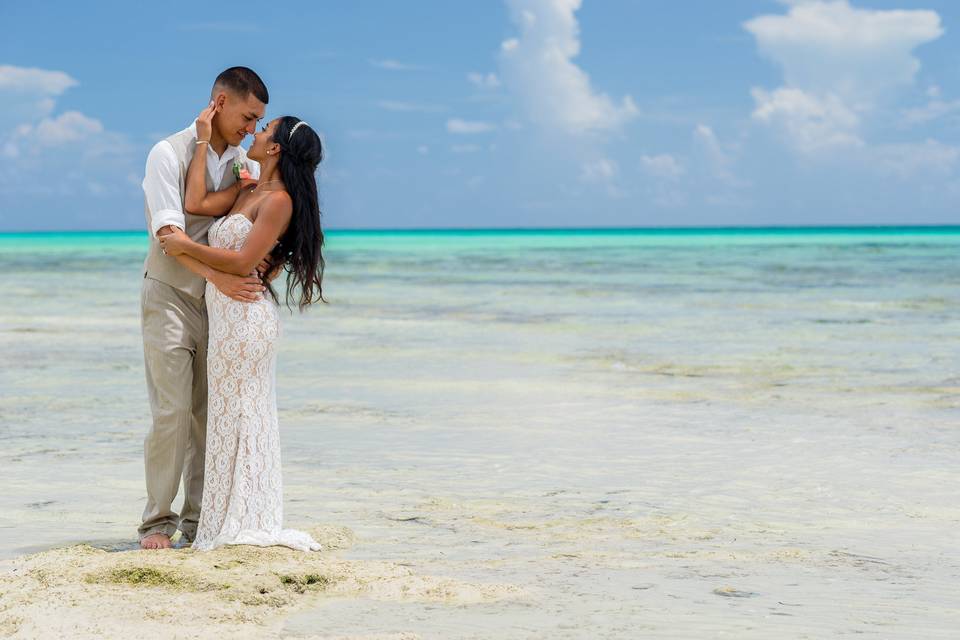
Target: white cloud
[(394, 65), (66, 153), (484, 81), (855, 53), (838, 63), (27, 101), (29, 94), (717, 158), (663, 166), (539, 70), (70, 126), (811, 122), (32, 80), (456, 125)]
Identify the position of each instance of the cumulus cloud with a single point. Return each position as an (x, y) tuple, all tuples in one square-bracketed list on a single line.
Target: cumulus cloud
[(28, 97), (65, 153), (70, 126), (456, 125), (812, 122), (28, 94), (32, 80), (538, 68), (838, 63)]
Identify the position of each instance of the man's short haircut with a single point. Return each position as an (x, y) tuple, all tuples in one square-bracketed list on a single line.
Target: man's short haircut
[(243, 81)]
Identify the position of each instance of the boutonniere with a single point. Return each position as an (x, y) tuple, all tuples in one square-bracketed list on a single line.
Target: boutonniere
[(240, 171)]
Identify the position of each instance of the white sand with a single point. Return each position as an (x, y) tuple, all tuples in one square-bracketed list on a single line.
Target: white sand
[(232, 592)]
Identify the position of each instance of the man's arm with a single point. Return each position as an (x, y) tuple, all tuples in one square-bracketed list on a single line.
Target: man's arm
[(161, 187), (242, 288)]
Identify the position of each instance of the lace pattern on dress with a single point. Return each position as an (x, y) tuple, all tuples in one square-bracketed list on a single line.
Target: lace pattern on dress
[(243, 484)]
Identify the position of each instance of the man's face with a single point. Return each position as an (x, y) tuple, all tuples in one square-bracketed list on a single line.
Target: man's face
[(237, 116)]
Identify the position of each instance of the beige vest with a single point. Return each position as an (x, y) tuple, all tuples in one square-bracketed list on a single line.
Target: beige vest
[(165, 268)]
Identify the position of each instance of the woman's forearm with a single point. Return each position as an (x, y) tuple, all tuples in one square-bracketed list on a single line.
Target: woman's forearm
[(227, 260), (203, 270), (198, 200)]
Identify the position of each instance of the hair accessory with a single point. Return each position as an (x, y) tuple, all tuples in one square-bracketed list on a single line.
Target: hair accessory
[(295, 127)]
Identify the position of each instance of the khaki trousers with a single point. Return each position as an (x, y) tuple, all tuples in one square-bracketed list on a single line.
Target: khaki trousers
[(174, 328)]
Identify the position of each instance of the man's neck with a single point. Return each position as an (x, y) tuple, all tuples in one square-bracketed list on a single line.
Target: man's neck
[(217, 143)]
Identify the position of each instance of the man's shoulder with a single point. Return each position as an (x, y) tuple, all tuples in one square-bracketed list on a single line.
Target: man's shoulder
[(167, 142), (170, 149), (161, 148), (161, 154)]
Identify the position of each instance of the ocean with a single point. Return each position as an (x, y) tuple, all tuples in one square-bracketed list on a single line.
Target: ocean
[(670, 433)]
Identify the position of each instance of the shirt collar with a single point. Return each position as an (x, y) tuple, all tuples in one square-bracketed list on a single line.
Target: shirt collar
[(229, 152)]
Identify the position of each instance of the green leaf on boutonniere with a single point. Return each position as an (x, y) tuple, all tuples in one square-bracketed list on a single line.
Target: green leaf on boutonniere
[(237, 166)]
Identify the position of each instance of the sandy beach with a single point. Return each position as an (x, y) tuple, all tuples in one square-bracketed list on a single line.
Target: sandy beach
[(518, 436), (231, 592)]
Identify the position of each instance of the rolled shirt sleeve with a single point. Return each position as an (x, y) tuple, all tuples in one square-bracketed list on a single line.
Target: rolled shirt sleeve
[(161, 187)]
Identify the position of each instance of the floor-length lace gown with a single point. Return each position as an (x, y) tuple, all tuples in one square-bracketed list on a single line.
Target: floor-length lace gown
[(243, 486)]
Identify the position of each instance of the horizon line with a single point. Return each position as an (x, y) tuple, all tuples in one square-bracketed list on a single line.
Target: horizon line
[(552, 229)]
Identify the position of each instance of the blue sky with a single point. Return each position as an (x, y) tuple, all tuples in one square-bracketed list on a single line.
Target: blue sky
[(521, 113)]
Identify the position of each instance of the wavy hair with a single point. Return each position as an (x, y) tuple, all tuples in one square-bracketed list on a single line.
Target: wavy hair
[(299, 249)]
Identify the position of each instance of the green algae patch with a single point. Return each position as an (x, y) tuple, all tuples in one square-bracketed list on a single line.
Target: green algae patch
[(300, 583), (152, 577)]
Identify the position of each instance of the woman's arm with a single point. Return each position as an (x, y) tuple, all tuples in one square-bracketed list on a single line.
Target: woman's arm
[(245, 288), (197, 200), (272, 220)]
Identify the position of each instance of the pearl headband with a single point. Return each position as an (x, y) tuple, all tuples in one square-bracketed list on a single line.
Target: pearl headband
[(295, 127)]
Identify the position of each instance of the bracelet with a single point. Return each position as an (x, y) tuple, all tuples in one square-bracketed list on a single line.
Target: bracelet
[(203, 142)]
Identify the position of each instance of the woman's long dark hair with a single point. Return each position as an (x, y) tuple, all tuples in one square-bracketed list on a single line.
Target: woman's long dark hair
[(299, 248)]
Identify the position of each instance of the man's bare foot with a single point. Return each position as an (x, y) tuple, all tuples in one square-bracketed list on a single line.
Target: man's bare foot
[(156, 541)]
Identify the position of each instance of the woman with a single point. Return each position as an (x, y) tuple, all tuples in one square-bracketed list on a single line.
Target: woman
[(278, 220)]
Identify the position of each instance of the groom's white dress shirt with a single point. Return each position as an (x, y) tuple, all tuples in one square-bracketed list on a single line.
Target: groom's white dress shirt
[(161, 184)]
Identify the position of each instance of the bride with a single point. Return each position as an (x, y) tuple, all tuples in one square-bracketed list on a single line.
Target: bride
[(278, 220)]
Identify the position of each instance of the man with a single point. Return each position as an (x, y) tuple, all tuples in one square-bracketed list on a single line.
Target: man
[(173, 310)]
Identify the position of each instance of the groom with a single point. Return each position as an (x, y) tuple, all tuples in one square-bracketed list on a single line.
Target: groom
[(173, 311)]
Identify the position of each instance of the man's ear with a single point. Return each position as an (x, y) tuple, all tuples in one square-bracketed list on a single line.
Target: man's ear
[(220, 100)]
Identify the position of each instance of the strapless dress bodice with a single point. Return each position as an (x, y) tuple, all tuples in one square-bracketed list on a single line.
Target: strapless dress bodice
[(229, 232)]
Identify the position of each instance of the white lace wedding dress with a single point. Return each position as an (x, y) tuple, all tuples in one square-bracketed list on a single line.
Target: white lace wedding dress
[(242, 486)]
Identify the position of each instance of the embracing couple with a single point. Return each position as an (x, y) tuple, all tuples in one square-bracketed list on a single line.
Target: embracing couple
[(223, 223)]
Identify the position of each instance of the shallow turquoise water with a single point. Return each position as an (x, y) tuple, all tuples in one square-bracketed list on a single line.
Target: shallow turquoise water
[(620, 421)]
